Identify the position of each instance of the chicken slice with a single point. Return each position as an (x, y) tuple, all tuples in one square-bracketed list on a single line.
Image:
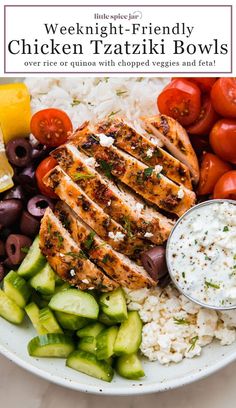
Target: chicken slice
[(144, 180), (128, 139), (116, 265), (92, 214), (125, 207), (67, 258), (176, 140)]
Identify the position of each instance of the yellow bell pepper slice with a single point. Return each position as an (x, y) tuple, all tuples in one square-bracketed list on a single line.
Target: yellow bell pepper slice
[(15, 113), (6, 171)]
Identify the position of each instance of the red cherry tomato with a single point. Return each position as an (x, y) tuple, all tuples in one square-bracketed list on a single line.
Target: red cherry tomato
[(200, 144), (205, 84), (212, 168), (226, 186), (44, 167), (181, 100), (223, 139), (206, 119), (51, 127), (223, 96)]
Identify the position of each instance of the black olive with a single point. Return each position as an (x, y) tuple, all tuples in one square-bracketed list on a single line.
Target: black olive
[(37, 205), (10, 211), (154, 261), (16, 247), (19, 152), (29, 225)]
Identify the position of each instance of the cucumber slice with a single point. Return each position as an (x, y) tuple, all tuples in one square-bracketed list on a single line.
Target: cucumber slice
[(44, 281), (76, 302), (51, 345), (92, 330), (48, 320), (87, 363), (105, 343), (71, 322), (17, 289), (39, 299), (58, 280), (32, 311), (103, 318), (129, 336), (130, 367), (113, 304), (9, 310), (88, 344), (33, 262)]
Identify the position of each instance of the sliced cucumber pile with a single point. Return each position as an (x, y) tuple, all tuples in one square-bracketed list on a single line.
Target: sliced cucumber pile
[(108, 336)]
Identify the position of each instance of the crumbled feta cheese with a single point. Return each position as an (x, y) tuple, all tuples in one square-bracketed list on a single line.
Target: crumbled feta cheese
[(72, 272), (90, 161), (148, 235), (104, 140), (226, 336), (150, 152), (86, 281), (139, 207), (180, 193), (117, 236), (61, 255), (158, 168), (109, 203)]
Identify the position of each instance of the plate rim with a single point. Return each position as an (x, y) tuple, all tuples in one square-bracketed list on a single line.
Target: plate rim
[(134, 389)]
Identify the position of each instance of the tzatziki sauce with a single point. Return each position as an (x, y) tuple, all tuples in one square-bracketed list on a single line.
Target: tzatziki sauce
[(201, 254)]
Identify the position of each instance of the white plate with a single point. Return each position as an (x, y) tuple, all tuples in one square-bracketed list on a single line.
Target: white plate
[(13, 344)]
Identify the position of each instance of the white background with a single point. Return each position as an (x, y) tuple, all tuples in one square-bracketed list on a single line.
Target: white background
[(28, 23)]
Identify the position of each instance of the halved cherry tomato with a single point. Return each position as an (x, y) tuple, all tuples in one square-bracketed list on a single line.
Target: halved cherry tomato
[(226, 186), (206, 119), (51, 127), (44, 167), (223, 96), (200, 144), (223, 139), (205, 84), (212, 168), (181, 100)]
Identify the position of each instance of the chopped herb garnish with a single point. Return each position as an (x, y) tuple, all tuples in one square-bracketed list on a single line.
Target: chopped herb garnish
[(113, 113), (207, 258), (120, 92), (181, 321), (148, 172), (226, 229), (89, 241), (82, 176), (106, 79), (127, 226), (25, 249), (212, 285), (193, 342), (105, 259), (106, 167), (235, 257), (75, 255), (75, 102), (49, 227), (183, 275), (195, 242), (60, 239), (157, 152)]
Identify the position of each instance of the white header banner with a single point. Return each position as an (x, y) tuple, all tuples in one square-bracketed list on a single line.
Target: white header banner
[(118, 39)]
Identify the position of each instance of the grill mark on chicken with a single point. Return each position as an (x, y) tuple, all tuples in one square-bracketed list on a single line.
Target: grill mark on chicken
[(117, 266), (67, 259), (135, 174), (119, 203), (92, 214), (127, 139)]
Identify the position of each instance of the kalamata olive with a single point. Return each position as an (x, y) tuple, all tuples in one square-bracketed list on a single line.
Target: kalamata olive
[(29, 225), (39, 151), (27, 179), (154, 261), (37, 205), (15, 192), (164, 281), (2, 272), (16, 247), (19, 152), (2, 249), (10, 211)]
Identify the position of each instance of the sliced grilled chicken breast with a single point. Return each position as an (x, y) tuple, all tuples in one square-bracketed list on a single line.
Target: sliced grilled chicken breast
[(108, 229), (144, 180), (128, 139), (67, 258), (125, 207), (117, 266), (176, 140)]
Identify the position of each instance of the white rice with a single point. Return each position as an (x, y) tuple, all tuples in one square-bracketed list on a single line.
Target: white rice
[(174, 328)]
